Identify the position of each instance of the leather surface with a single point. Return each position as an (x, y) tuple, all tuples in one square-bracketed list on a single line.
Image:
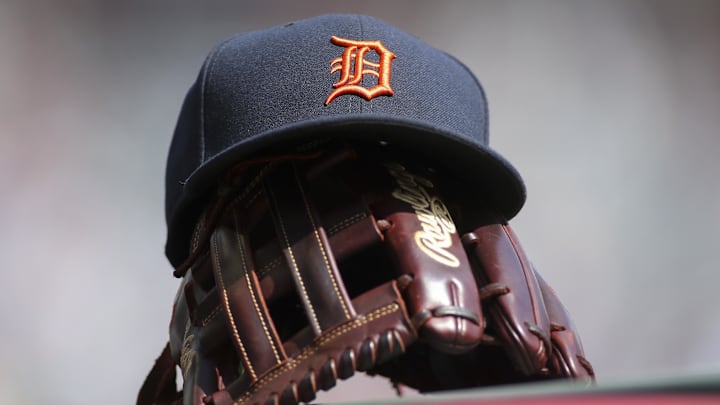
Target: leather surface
[(307, 269)]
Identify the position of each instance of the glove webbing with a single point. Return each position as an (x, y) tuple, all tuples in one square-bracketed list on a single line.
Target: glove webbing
[(351, 341)]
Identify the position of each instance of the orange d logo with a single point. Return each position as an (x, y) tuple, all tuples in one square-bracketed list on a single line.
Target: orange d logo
[(353, 67)]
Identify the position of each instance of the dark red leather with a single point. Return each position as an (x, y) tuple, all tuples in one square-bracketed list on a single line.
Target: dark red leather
[(521, 318), (305, 270), (424, 244)]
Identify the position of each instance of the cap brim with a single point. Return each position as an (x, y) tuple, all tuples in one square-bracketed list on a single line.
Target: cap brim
[(480, 167)]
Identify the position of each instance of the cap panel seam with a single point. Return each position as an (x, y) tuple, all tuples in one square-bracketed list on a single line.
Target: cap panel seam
[(209, 65), (486, 129)]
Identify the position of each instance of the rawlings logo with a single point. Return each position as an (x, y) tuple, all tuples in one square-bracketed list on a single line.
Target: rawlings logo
[(353, 67), (437, 226), (187, 354)]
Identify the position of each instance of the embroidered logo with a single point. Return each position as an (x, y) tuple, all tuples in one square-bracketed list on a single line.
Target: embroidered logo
[(353, 67), (435, 238)]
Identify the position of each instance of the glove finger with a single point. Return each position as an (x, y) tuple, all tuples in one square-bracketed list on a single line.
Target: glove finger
[(513, 301), (424, 244), (244, 307), (568, 358)]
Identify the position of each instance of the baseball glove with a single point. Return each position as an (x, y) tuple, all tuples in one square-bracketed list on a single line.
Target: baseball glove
[(306, 268)]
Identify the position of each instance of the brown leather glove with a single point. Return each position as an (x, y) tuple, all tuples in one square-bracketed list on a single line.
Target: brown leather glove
[(306, 269)]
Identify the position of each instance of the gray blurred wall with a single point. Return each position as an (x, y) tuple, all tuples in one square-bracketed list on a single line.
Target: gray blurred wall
[(610, 110)]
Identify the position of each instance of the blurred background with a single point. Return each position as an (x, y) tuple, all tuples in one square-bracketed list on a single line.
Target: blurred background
[(609, 109)]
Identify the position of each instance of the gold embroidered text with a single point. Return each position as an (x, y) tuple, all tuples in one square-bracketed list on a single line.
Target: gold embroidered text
[(437, 226)]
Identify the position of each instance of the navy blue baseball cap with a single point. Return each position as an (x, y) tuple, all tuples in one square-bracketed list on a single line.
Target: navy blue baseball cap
[(350, 77)]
